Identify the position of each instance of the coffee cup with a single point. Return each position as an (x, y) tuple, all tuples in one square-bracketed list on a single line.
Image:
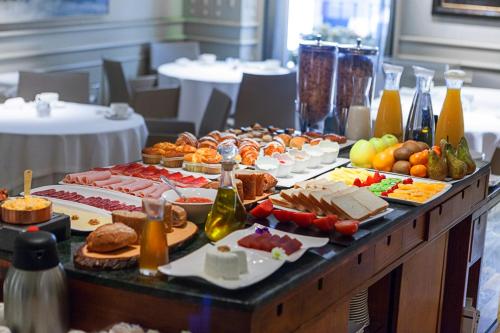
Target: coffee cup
[(119, 109), (49, 97)]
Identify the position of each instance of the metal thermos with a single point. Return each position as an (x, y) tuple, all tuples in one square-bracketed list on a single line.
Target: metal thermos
[(35, 290)]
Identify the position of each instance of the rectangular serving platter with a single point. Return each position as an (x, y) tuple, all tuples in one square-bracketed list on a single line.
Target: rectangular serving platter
[(310, 173), (260, 263), (448, 185)]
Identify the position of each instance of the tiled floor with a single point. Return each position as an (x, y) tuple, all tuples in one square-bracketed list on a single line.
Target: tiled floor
[(489, 290)]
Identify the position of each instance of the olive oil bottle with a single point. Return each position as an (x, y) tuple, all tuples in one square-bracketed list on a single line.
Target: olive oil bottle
[(228, 213)]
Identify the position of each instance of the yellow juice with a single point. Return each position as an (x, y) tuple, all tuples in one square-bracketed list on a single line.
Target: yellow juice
[(450, 124), (154, 247), (389, 117)]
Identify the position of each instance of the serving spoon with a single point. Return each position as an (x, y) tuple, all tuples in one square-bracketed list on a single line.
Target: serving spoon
[(173, 187), (28, 176)]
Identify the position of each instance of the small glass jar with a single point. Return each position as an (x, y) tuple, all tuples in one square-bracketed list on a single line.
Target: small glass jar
[(315, 82), (154, 246)]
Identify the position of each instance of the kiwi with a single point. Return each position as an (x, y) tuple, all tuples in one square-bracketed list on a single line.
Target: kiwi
[(402, 167), (402, 154), (422, 145), (412, 146)]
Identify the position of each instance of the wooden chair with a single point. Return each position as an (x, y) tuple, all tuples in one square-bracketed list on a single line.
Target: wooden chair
[(71, 87), (267, 100)]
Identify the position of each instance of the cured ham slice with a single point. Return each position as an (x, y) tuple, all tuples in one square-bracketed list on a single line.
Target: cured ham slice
[(119, 186), (264, 241), (144, 193), (102, 183), (137, 185), (87, 178)]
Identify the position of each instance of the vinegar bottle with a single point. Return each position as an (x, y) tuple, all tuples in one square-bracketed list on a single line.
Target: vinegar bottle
[(450, 125), (420, 124), (228, 213), (154, 247), (389, 116)]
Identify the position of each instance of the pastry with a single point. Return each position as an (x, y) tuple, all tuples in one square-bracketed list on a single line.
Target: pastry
[(285, 137), (165, 146), (298, 142), (223, 263), (111, 237), (259, 180), (315, 142), (335, 138), (179, 216), (273, 147), (249, 185), (186, 149), (152, 155), (173, 153), (187, 138), (215, 135), (207, 142), (134, 220)]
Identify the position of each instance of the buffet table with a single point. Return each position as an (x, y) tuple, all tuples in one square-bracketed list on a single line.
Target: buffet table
[(481, 115), (75, 137), (198, 79), (417, 262)]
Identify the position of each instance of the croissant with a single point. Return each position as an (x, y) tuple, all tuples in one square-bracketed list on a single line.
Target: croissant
[(187, 138)]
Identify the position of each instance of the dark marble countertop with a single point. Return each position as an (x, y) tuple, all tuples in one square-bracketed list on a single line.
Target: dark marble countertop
[(290, 275)]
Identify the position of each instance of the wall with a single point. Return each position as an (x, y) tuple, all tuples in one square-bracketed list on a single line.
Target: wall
[(471, 43), (228, 28), (79, 43)]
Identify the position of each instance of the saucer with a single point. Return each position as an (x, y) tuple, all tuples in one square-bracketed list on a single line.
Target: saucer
[(112, 116)]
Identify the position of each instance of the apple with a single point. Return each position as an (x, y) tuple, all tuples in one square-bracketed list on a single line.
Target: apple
[(362, 154), (390, 140), (378, 144)]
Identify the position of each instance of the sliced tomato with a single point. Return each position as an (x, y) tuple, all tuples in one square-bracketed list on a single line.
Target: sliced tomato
[(347, 227), (303, 220), (326, 224), (263, 210), (408, 181), (282, 215), (357, 182)]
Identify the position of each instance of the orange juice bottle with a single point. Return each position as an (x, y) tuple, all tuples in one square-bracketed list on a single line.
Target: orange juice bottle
[(450, 124), (154, 246), (389, 116)]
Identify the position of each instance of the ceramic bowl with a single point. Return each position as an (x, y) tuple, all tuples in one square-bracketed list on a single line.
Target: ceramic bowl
[(331, 151), (196, 212), (316, 156), (301, 160), (267, 164)]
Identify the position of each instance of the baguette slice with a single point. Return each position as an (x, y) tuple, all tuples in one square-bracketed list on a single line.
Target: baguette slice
[(372, 202), (350, 207)]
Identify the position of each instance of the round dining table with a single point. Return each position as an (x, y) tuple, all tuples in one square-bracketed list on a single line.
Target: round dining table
[(75, 137), (481, 108), (197, 80)]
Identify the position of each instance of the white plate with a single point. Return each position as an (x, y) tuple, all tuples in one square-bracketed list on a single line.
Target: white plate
[(310, 173), (370, 219), (71, 208), (260, 263)]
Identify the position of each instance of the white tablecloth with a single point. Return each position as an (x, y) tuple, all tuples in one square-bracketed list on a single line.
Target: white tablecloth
[(481, 114), (74, 138), (197, 81)]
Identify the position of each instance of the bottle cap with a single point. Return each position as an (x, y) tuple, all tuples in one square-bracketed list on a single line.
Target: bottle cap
[(390, 68), (454, 74), (35, 251), (421, 71)]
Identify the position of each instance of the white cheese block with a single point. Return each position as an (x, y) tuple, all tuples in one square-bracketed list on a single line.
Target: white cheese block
[(226, 264)]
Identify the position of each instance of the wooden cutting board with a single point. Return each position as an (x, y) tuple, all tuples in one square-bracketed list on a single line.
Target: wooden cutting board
[(128, 257)]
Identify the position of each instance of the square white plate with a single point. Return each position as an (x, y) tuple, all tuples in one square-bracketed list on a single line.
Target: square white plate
[(310, 173), (260, 263)]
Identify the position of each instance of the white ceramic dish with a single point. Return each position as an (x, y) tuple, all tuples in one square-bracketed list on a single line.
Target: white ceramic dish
[(310, 173), (197, 212), (260, 263)]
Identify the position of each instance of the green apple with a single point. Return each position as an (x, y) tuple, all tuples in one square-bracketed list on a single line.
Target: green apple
[(362, 154), (390, 140), (378, 144)]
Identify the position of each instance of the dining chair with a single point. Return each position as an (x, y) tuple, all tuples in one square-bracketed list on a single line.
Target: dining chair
[(71, 86), (165, 52), (214, 118), (146, 100), (267, 100)]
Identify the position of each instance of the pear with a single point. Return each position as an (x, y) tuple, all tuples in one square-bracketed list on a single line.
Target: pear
[(463, 154), (437, 167), (457, 169)]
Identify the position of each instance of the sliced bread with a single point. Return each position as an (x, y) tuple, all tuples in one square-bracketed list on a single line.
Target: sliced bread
[(372, 202)]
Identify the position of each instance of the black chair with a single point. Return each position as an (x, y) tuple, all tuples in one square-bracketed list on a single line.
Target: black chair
[(214, 118), (267, 100), (71, 87), (165, 52)]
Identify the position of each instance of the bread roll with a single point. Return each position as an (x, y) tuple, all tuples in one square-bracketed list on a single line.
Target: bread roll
[(179, 216), (111, 237), (249, 184), (134, 220)]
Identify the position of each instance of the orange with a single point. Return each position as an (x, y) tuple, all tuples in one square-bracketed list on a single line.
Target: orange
[(420, 158), (383, 161), (418, 170), (391, 149)]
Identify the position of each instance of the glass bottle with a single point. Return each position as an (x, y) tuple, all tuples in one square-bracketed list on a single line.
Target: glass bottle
[(389, 117), (358, 124), (450, 125), (228, 213), (420, 124), (154, 246)]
